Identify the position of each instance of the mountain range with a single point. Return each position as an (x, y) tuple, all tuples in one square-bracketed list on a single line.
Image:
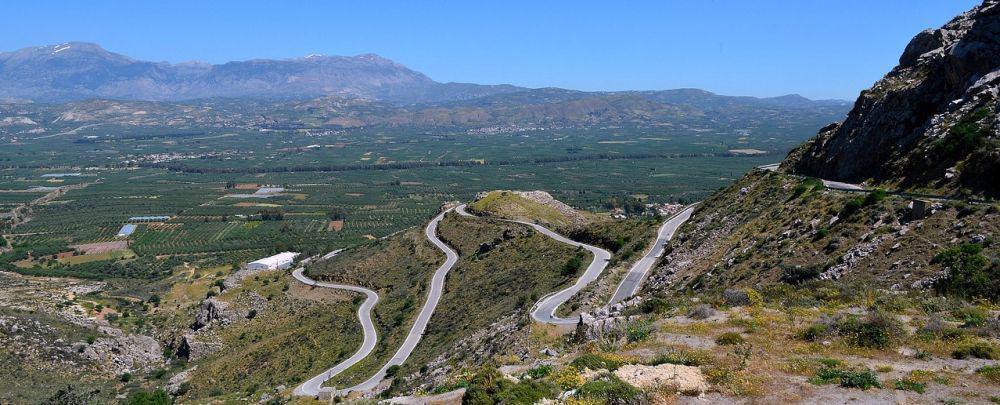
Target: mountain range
[(77, 70)]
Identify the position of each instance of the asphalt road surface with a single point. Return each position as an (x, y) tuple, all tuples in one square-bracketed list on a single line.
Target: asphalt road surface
[(312, 387), (544, 310), (417, 331), (633, 280)]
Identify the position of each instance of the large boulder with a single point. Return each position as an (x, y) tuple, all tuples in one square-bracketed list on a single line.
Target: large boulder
[(121, 352), (212, 310), (683, 379)]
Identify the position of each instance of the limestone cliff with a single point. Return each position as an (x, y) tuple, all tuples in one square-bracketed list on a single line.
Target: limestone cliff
[(930, 123)]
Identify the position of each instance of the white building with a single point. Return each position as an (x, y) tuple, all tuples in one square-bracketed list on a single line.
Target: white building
[(279, 261)]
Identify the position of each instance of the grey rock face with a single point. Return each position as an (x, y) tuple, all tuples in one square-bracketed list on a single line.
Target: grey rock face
[(124, 352), (213, 310), (943, 76), (196, 346)]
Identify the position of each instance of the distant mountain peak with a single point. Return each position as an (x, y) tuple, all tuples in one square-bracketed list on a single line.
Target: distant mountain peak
[(82, 70)]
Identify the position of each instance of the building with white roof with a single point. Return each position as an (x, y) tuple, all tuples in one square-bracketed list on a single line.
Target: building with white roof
[(279, 261)]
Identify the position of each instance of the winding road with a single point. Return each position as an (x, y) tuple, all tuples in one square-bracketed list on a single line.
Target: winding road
[(830, 184), (544, 310), (313, 387), (633, 280)]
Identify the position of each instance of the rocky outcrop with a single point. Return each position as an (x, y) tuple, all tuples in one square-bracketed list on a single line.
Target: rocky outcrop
[(177, 385), (213, 310), (916, 126), (198, 345), (122, 352), (683, 379), (216, 311)]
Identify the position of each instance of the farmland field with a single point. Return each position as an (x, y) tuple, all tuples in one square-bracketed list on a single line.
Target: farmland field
[(339, 190)]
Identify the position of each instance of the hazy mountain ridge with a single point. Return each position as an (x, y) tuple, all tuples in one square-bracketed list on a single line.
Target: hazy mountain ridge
[(76, 70), (542, 108)]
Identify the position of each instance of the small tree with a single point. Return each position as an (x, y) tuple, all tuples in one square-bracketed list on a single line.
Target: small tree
[(580, 334)]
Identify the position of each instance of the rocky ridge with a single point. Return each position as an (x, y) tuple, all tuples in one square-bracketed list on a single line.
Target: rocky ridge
[(930, 123)]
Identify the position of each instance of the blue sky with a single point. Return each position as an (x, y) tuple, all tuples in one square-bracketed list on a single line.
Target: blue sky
[(817, 48)]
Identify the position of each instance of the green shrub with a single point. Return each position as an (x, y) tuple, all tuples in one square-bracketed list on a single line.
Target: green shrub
[(655, 305), (489, 387), (610, 390), (799, 274), (979, 350), (829, 362), (907, 384), (806, 187), (875, 196), (595, 362), (540, 371), (158, 397), (484, 386), (815, 332), (877, 330), (991, 373), (572, 266), (822, 233), (158, 373), (392, 371), (851, 207), (970, 274), (527, 392), (639, 331), (71, 396), (863, 379), (963, 138), (971, 316), (730, 338)]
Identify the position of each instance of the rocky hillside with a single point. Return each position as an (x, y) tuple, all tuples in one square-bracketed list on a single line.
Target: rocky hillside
[(770, 228), (930, 123), (929, 126)]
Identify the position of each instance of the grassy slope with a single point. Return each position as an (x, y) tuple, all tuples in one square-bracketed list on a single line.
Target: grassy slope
[(487, 284), (399, 270), (508, 205), (301, 332), (34, 367)]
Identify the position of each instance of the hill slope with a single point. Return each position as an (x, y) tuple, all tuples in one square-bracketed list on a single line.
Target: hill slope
[(930, 122)]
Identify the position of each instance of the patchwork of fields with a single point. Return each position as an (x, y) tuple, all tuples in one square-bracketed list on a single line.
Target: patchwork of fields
[(317, 193)]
